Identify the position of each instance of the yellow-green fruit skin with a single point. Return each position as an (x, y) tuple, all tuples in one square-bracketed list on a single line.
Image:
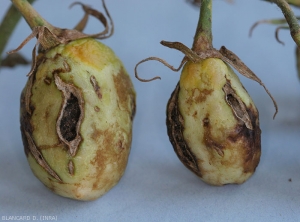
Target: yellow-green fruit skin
[(213, 123), (76, 119)]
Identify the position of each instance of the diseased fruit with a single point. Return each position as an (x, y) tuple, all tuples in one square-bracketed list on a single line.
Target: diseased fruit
[(213, 123), (77, 110)]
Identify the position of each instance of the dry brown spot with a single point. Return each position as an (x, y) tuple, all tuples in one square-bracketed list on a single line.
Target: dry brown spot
[(71, 167), (97, 109), (105, 154), (195, 114), (102, 156), (124, 89), (47, 80), (67, 67), (47, 113), (96, 86), (208, 139), (198, 96), (120, 145), (96, 133)]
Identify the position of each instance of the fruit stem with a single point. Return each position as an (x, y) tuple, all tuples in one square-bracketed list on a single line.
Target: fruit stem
[(32, 17), (8, 25), (290, 18), (291, 2), (203, 36)]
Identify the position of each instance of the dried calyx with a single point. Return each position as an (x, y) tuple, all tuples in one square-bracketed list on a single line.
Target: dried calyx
[(49, 36), (224, 54)]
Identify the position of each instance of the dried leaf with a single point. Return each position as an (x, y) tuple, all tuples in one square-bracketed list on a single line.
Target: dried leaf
[(100, 16), (160, 60), (83, 22), (50, 38), (13, 60)]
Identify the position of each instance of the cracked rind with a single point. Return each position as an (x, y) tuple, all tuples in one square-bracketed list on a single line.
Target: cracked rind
[(221, 148), (106, 128)]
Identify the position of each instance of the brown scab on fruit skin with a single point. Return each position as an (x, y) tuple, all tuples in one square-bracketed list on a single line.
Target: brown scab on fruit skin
[(199, 96), (175, 131), (208, 139), (102, 158), (124, 88)]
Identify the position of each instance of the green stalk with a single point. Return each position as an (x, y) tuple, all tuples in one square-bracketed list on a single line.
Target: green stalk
[(32, 17), (8, 25), (291, 2), (291, 19), (203, 36)]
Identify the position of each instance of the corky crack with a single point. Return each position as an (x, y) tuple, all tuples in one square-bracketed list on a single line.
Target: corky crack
[(71, 115)]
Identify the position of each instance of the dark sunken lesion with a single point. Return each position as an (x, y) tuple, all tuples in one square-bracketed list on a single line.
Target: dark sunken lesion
[(70, 117), (175, 130)]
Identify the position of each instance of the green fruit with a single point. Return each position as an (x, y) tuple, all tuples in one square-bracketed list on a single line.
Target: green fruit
[(77, 110), (213, 123)]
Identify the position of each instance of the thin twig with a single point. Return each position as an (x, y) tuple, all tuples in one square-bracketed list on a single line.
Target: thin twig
[(290, 18), (8, 25)]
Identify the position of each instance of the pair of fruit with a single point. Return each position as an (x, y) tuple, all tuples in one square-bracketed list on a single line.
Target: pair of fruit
[(78, 106)]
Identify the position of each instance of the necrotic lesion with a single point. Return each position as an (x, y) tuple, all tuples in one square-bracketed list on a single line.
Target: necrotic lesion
[(70, 117)]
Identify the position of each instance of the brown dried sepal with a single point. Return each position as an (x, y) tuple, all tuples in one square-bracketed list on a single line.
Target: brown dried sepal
[(224, 54), (50, 37)]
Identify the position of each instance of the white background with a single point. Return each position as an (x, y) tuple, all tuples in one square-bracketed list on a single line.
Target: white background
[(156, 186)]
